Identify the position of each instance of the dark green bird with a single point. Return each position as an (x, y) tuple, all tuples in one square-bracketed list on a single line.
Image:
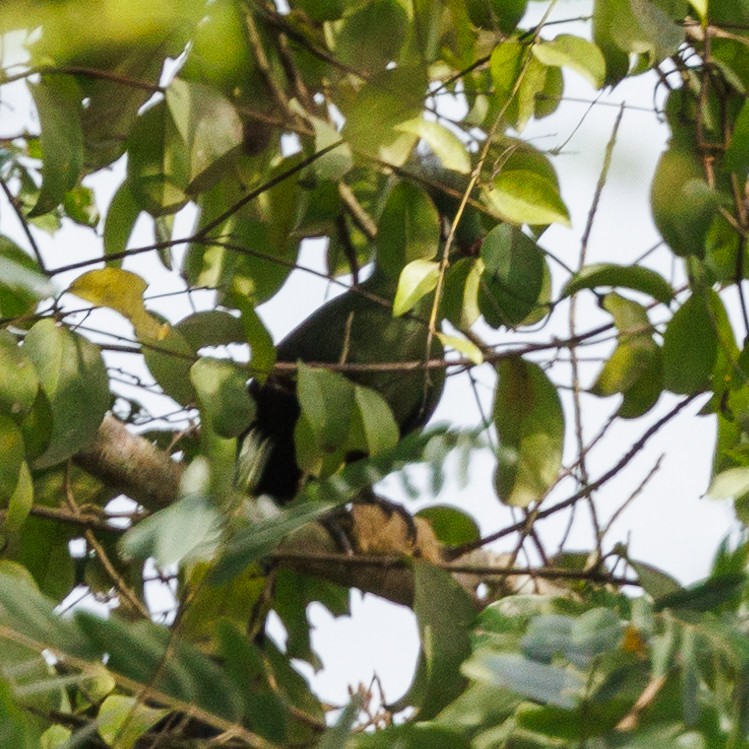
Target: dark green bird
[(357, 327)]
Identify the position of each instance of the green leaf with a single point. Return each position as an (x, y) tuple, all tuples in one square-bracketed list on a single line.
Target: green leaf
[(444, 614), (371, 37), (74, 379), (337, 736), (416, 280), (21, 274), (209, 328), (327, 402), (737, 154), (620, 276), (575, 53), (16, 727), (188, 529), (445, 145), (259, 539), (690, 345), (543, 683), (461, 290), (452, 526), (209, 126), (21, 500), (462, 346), (409, 229), (335, 164), (374, 420), (225, 404), (704, 596), (169, 359), (122, 720), (683, 204), (512, 278), (122, 214), (58, 103), (656, 583), (158, 165), (19, 383), (530, 424), (524, 197), (493, 14)]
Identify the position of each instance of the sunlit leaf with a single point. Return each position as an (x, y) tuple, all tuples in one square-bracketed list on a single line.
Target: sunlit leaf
[(524, 197), (573, 52), (374, 419), (448, 148), (417, 279), (123, 720)]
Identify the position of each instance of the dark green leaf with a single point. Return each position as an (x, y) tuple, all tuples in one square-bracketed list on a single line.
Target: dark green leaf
[(530, 424), (58, 103), (210, 328), (524, 197), (409, 229), (704, 596), (620, 276), (512, 278), (170, 359), (20, 275), (118, 226)]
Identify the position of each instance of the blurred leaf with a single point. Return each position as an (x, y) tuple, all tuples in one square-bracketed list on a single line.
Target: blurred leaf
[(122, 720), (416, 280), (462, 346), (371, 36), (461, 290), (452, 526), (444, 614), (13, 454), (737, 154), (530, 423), (58, 103), (575, 53), (336, 163), (409, 229), (682, 202), (445, 145), (16, 727), (411, 736), (655, 582), (337, 736), (732, 483), (543, 683), (703, 596), (189, 528), (627, 276), (121, 291), (492, 14), (225, 404), (71, 372), (79, 206), (21, 499), (524, 197)]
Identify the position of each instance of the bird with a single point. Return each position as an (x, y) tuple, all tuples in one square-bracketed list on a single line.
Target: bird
[(357, 327)]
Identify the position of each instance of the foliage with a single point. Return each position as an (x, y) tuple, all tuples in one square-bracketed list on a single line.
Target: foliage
[(395, 130)]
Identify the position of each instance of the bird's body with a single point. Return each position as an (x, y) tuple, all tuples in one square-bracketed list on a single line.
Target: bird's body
[(357, 327)]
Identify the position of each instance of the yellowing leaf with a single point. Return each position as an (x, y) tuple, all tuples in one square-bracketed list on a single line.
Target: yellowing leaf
[(524, 197), (416, 280), (121, 291)]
